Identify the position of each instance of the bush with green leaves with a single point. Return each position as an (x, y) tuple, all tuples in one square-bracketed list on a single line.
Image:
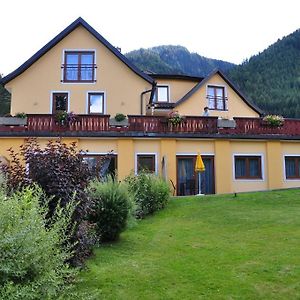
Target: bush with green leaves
[(33, 254), (112, 205), (151, 193), (61, 172)]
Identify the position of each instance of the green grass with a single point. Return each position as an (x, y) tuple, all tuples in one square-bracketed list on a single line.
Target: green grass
[(211, 247)]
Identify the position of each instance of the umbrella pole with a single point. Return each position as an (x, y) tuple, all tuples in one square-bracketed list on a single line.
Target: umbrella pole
[(199, 183)]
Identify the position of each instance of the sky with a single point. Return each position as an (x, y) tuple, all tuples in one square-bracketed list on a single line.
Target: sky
[(231, 30)]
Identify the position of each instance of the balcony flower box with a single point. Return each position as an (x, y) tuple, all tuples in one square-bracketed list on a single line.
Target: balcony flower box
[(113, 122), (226, 123), (13, 121), (273, 121)]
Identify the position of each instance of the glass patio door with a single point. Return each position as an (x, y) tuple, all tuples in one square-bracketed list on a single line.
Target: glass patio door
[(188, 179)]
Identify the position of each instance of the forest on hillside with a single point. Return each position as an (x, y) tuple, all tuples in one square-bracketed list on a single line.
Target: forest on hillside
[(271, 79)]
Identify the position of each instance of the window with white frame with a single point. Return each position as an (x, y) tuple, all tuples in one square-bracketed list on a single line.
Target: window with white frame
[(79, 66), (95, 103), (146, 163), (162, 94), (292, 167), (248, 167), (216, 97)]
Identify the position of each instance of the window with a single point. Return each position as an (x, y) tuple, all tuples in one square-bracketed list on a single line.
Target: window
[(101, 164), (247, 167), (146, 162), (292, 167), (161, 93), (79, 66), (60, 102), (216, 98), (96, 103)]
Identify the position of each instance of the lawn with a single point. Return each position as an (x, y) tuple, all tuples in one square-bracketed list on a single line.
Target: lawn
[(209, 247)]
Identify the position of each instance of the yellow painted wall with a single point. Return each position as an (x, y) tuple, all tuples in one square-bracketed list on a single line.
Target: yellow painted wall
[(223, 150), (289, 148), (251, 148), (125, 157), (177, 88), (6, 143), (98, 145), (223, 167), (196, 103), (195, 146), (31, 91)]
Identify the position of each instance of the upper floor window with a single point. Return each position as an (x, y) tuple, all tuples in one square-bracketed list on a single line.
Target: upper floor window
[(79, 66), (292, 167), (96, 103), (216, 97), (162, 94)]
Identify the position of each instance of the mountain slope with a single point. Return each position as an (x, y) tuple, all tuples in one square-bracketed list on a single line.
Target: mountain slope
[(175, 59), (272, 78)]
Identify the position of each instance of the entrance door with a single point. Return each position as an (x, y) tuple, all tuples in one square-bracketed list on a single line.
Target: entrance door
[(188, 179)]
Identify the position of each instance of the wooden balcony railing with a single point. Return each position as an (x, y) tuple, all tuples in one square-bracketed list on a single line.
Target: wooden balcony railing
[(44, 124), (256, 126)]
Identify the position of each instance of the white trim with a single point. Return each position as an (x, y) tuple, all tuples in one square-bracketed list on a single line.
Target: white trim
[(261, 155), (169, 92), (78, 50), (87, 100), (146, 153), (284, 173), (51, 99)]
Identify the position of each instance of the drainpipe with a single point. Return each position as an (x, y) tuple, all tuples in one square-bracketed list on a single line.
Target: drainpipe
[(151, 96)]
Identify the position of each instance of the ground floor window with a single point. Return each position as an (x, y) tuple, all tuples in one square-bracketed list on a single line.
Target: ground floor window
[(292, 167), (247, 167), (145, 162), (101, 165)]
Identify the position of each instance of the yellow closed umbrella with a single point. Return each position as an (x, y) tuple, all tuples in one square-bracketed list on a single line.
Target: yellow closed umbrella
[(199, 166)]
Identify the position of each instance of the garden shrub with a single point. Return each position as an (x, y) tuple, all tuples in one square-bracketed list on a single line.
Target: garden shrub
[(151, 193), (32, 255), (63, 175), (112, 204)]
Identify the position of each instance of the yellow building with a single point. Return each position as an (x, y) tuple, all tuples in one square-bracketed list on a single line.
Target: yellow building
[(80, 72)]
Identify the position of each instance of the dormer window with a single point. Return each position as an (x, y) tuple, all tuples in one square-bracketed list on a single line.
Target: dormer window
[(216, 97), (162, 94), (79, 66)]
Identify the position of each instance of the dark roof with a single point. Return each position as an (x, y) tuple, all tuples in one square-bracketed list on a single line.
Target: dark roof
[(206, 79), (63, 34), (175, 76)]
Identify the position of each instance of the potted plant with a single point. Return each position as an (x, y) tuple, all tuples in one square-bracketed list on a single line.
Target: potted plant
[(273, 120), (175, 118), (119, 120), (64, 118)]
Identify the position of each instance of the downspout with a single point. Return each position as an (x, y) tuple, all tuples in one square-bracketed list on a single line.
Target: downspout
[(151, 96)]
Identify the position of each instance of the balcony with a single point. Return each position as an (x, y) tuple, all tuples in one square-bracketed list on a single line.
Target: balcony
[(192, 126)]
